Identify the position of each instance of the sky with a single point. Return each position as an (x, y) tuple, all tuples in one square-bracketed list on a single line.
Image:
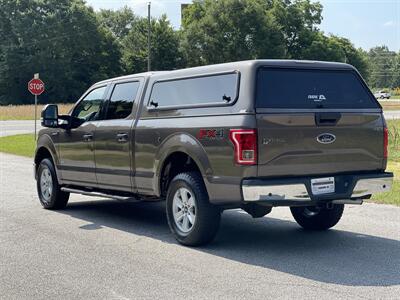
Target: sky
[(367, 23)]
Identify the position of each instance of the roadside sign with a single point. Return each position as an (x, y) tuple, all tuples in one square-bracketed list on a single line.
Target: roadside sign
[(36, 86)]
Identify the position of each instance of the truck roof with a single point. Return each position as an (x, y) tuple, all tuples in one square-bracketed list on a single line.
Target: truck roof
[(242, 66)]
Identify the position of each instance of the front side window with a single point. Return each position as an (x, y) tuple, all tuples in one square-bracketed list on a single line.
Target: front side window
[(88, 108), (212, 89), (122, 98)]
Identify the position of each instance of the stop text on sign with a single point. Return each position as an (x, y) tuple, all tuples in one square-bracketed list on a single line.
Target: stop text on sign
[(36, 86)]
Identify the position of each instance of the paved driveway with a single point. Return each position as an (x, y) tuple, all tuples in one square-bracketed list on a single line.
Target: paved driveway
[(101, 249)]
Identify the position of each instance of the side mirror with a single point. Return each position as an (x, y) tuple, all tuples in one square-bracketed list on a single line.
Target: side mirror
[(50, 116)]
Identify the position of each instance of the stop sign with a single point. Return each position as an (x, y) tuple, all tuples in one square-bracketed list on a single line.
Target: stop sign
[(36, 86)]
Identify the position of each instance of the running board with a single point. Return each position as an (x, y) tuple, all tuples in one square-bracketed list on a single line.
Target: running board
[(99, 194)]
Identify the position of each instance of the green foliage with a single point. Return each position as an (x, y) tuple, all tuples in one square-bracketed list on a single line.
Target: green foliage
[(118, 21), (229, 30), (62, 40), (323, 48), (353, 56), (164, 43), (382, 63), (395, 72), (298, 21), (72, 47)]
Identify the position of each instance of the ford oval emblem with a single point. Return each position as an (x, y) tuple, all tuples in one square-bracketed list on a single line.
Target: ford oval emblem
[(326, 138)]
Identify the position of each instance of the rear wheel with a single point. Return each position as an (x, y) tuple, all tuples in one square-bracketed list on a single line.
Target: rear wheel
[(317, 218), (191, 217), (49, 192)]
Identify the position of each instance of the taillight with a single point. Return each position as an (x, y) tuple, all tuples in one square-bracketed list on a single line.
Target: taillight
[(245, 145), (385, 142)]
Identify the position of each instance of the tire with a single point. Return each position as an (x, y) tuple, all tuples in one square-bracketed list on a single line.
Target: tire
[(187, 203), (49, 192), (317, 218)]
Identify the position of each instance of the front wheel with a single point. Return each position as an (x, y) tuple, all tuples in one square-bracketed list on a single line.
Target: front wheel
[(49, 192), (191, 217), (317, 218)]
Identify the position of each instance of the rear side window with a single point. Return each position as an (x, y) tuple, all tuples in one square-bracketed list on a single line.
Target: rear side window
[(211, 89), (121, 101), (308, 89)]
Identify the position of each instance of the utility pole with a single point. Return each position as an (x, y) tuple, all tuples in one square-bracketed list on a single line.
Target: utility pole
[(148, 37)]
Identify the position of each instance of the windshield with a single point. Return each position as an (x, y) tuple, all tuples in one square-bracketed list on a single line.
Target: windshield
[(308, 89)]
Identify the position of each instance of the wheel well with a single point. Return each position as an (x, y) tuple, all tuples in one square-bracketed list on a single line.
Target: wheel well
[(41, 154), (174, 164)]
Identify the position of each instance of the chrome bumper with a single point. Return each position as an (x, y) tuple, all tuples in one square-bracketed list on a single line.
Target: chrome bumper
[(371, 186), (298, 191), (275, 192)]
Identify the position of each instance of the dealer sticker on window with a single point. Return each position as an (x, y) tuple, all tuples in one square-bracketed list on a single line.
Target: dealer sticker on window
[(321, 186)]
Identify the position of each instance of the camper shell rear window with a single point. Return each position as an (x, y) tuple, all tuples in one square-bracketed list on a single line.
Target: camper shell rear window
[(288, 88)]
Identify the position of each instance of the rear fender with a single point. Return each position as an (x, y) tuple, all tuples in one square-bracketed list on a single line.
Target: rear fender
[(180, 142)]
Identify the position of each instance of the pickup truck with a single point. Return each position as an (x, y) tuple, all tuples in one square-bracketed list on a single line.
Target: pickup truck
[(248, 135)]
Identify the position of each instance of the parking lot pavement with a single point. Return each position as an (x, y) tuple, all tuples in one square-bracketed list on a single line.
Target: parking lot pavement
[(101, 249)]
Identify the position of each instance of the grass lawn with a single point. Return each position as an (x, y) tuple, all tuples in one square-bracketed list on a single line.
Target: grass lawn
[(24, 145), (392, 197)]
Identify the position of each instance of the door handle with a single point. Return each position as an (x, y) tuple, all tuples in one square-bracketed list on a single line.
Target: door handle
[(327, 119), (87, 137), (122, 137)]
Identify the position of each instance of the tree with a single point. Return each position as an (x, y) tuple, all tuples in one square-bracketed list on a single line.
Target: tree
[(395, 70), (355, 57), (62, 40), (229, 30), (164, 46), (298, 21), (323, 48), (119, 21), (381, 62)]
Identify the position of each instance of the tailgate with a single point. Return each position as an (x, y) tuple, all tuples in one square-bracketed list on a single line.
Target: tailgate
[(292, 144), (314, 122)]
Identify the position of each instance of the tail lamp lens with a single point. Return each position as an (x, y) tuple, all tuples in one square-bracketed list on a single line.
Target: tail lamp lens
[(385, 142), (245, 145)]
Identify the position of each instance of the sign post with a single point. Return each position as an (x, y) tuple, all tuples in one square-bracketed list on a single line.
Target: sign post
[(36, 87)]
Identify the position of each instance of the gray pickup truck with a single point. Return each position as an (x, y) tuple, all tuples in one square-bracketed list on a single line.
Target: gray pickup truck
[(250, 135)]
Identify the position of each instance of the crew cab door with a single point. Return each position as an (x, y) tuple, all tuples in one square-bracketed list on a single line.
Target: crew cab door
[(76, 145), (115, 136)]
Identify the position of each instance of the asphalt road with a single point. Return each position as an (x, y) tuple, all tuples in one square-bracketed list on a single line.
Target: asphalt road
[(392, 114), (102, 249), (19, 127)]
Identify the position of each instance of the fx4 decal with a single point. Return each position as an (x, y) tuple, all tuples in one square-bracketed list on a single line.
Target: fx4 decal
[(211, 134)]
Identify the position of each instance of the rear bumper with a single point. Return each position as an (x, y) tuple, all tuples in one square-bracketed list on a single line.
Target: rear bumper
[(297, 191)]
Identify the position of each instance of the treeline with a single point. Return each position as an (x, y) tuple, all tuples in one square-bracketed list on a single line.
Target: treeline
[(72, 46)]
